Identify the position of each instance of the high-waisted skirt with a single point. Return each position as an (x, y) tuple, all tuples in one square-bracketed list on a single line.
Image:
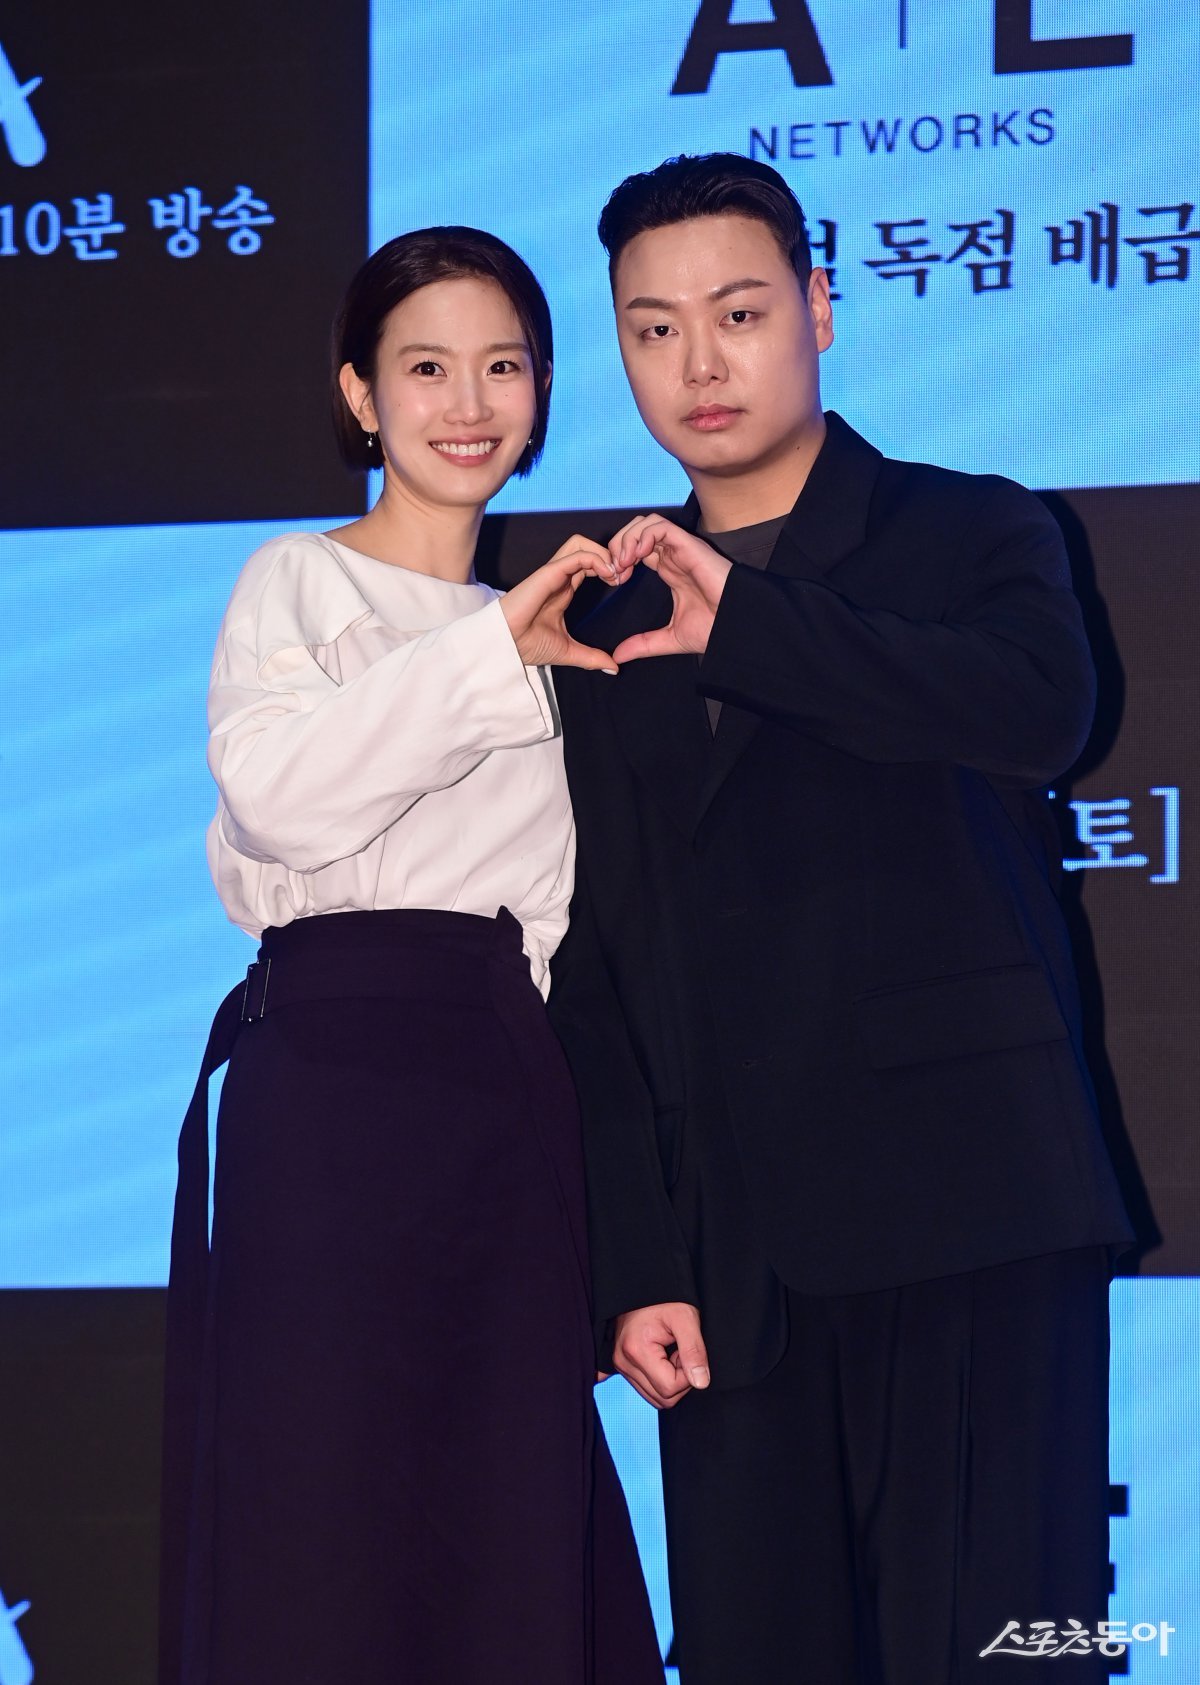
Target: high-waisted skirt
[(383, 1464)]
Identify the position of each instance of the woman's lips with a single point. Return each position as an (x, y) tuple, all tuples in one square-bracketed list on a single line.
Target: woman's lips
[(711, 418), (467, 453)]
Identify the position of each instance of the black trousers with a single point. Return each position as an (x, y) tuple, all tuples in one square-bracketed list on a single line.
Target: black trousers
[(924, 1466)]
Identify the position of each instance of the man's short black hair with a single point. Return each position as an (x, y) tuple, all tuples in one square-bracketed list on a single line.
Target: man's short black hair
[(712, 184), (415, 260)]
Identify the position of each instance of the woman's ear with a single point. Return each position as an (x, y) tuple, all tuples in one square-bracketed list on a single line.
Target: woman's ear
[(357, 393)]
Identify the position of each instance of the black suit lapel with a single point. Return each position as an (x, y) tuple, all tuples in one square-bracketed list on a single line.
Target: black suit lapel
[(827, 523)]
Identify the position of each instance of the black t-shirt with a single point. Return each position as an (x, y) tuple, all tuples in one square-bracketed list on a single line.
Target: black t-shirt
[(752, 547)]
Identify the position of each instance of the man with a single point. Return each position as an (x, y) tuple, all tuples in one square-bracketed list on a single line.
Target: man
[(851, 1212)]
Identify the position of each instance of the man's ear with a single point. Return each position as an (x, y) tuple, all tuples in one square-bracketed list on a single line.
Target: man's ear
[(357, 393), (820, 308)]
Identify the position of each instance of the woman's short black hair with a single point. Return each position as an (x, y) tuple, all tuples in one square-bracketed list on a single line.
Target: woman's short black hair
[(416, 260), (712, 184)]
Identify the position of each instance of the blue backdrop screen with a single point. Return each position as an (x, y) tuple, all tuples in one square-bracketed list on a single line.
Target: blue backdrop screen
[(1008, 210), (1001, 241), (521, 118)]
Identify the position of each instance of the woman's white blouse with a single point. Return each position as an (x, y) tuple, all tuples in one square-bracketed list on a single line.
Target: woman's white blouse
[(378, 742)]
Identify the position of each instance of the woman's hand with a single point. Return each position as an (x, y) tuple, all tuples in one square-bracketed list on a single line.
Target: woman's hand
[(535, 608)]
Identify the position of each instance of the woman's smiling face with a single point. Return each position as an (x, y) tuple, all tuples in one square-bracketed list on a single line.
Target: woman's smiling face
[(453, 397)]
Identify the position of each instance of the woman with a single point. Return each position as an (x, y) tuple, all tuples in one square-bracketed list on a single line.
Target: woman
[(383, 1461)]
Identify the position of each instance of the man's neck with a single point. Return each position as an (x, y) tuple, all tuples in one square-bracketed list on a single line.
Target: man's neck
[(762, 492)]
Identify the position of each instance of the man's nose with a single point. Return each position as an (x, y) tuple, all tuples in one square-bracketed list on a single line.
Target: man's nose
[(703, 362)]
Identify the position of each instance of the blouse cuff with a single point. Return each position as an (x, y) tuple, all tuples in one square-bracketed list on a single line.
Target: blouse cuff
[(514, 695)]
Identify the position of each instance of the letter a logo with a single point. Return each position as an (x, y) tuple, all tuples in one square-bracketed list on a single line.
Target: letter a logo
[(26, 143), (792, 32)]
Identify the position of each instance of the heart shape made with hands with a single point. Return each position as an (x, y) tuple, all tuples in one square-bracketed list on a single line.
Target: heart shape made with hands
[(694, 572)]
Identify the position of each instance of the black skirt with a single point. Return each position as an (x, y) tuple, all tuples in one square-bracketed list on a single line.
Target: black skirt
[(382, 1456)]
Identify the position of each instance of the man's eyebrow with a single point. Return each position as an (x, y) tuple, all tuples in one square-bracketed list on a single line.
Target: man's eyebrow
[(744, 285), (741, 286)]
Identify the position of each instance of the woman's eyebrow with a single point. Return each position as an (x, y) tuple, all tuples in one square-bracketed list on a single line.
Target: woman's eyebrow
[(445, 350)]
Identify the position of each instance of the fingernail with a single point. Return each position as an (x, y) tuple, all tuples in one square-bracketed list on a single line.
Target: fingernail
[(611, 671), (698, 1377)]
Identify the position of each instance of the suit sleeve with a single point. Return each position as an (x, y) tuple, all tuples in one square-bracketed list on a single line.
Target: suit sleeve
[(638, 1255), (1002, 682)]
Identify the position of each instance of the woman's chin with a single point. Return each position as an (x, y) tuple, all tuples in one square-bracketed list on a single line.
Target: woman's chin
[(455, 488)]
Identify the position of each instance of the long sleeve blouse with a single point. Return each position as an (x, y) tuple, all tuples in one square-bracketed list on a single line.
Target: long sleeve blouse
[(377, 742)]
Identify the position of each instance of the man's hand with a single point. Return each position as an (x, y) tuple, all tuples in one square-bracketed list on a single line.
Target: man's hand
[(695, 573), (535, 608), (660, 1351)]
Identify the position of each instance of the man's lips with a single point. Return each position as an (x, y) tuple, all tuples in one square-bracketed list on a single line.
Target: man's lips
[(711, 418)]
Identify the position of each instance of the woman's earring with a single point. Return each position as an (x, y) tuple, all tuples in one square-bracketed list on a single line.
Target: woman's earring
[(370, 441)]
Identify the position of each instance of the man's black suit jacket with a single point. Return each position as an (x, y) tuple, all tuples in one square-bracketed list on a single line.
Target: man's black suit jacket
[(817, 994)]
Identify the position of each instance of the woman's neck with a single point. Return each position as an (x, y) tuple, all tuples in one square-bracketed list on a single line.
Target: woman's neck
[(437, 539)]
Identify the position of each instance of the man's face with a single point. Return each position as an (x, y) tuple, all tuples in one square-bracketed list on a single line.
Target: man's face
[(720, 342)]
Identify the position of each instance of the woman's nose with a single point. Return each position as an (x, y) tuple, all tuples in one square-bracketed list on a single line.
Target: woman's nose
[(467, 401)]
